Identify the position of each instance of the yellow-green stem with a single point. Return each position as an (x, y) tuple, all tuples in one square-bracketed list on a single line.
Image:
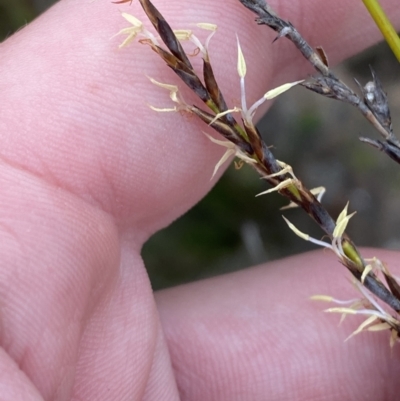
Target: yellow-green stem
[(384, 25)]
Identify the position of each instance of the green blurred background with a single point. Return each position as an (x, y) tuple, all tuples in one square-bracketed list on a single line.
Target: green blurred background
[(230, 229), (16, 13)]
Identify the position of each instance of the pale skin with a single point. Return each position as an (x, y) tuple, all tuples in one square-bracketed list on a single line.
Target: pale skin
[(89, 172)]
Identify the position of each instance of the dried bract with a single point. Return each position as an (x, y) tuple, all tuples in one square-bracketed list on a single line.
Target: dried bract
[(373, 104)]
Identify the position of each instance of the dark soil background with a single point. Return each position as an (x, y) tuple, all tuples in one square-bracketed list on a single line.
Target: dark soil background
[(230, 229)]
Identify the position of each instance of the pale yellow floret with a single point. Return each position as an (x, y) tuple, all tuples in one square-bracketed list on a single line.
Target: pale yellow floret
[(355, 305), (286, 169), (362, 326), (224, 158), (203, 48), (207, 26), (132, 20), (341, 227), (367, 269), (280, 172), (342, 214), (170, 87), (248, 115), (232, 150), (376, 314), (318, 192), (282, 164), (132, 32), (380, 327), (298, 233), (223, 113), (324, 298), (281, 185), (385, 322), (126, 31), (183, 34), (173, 94), (342, 221), (241, 62), (348, 311), (281, 89), (164, 110)]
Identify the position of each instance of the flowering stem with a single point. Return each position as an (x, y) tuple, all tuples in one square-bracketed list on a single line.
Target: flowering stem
[(245, 142)]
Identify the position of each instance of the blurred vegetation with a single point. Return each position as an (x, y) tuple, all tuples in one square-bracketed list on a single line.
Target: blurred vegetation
[(17, 13), (230, 228)]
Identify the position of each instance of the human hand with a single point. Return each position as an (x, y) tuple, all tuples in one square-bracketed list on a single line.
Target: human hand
[(89, 172)]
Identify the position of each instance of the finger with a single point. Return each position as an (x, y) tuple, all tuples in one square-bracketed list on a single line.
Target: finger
[(75, 320), (77, 113), (14, 385), (47, 274), (122, 353), (255, 334)]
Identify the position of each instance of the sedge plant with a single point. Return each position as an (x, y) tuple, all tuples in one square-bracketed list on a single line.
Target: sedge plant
[(378, 289)]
